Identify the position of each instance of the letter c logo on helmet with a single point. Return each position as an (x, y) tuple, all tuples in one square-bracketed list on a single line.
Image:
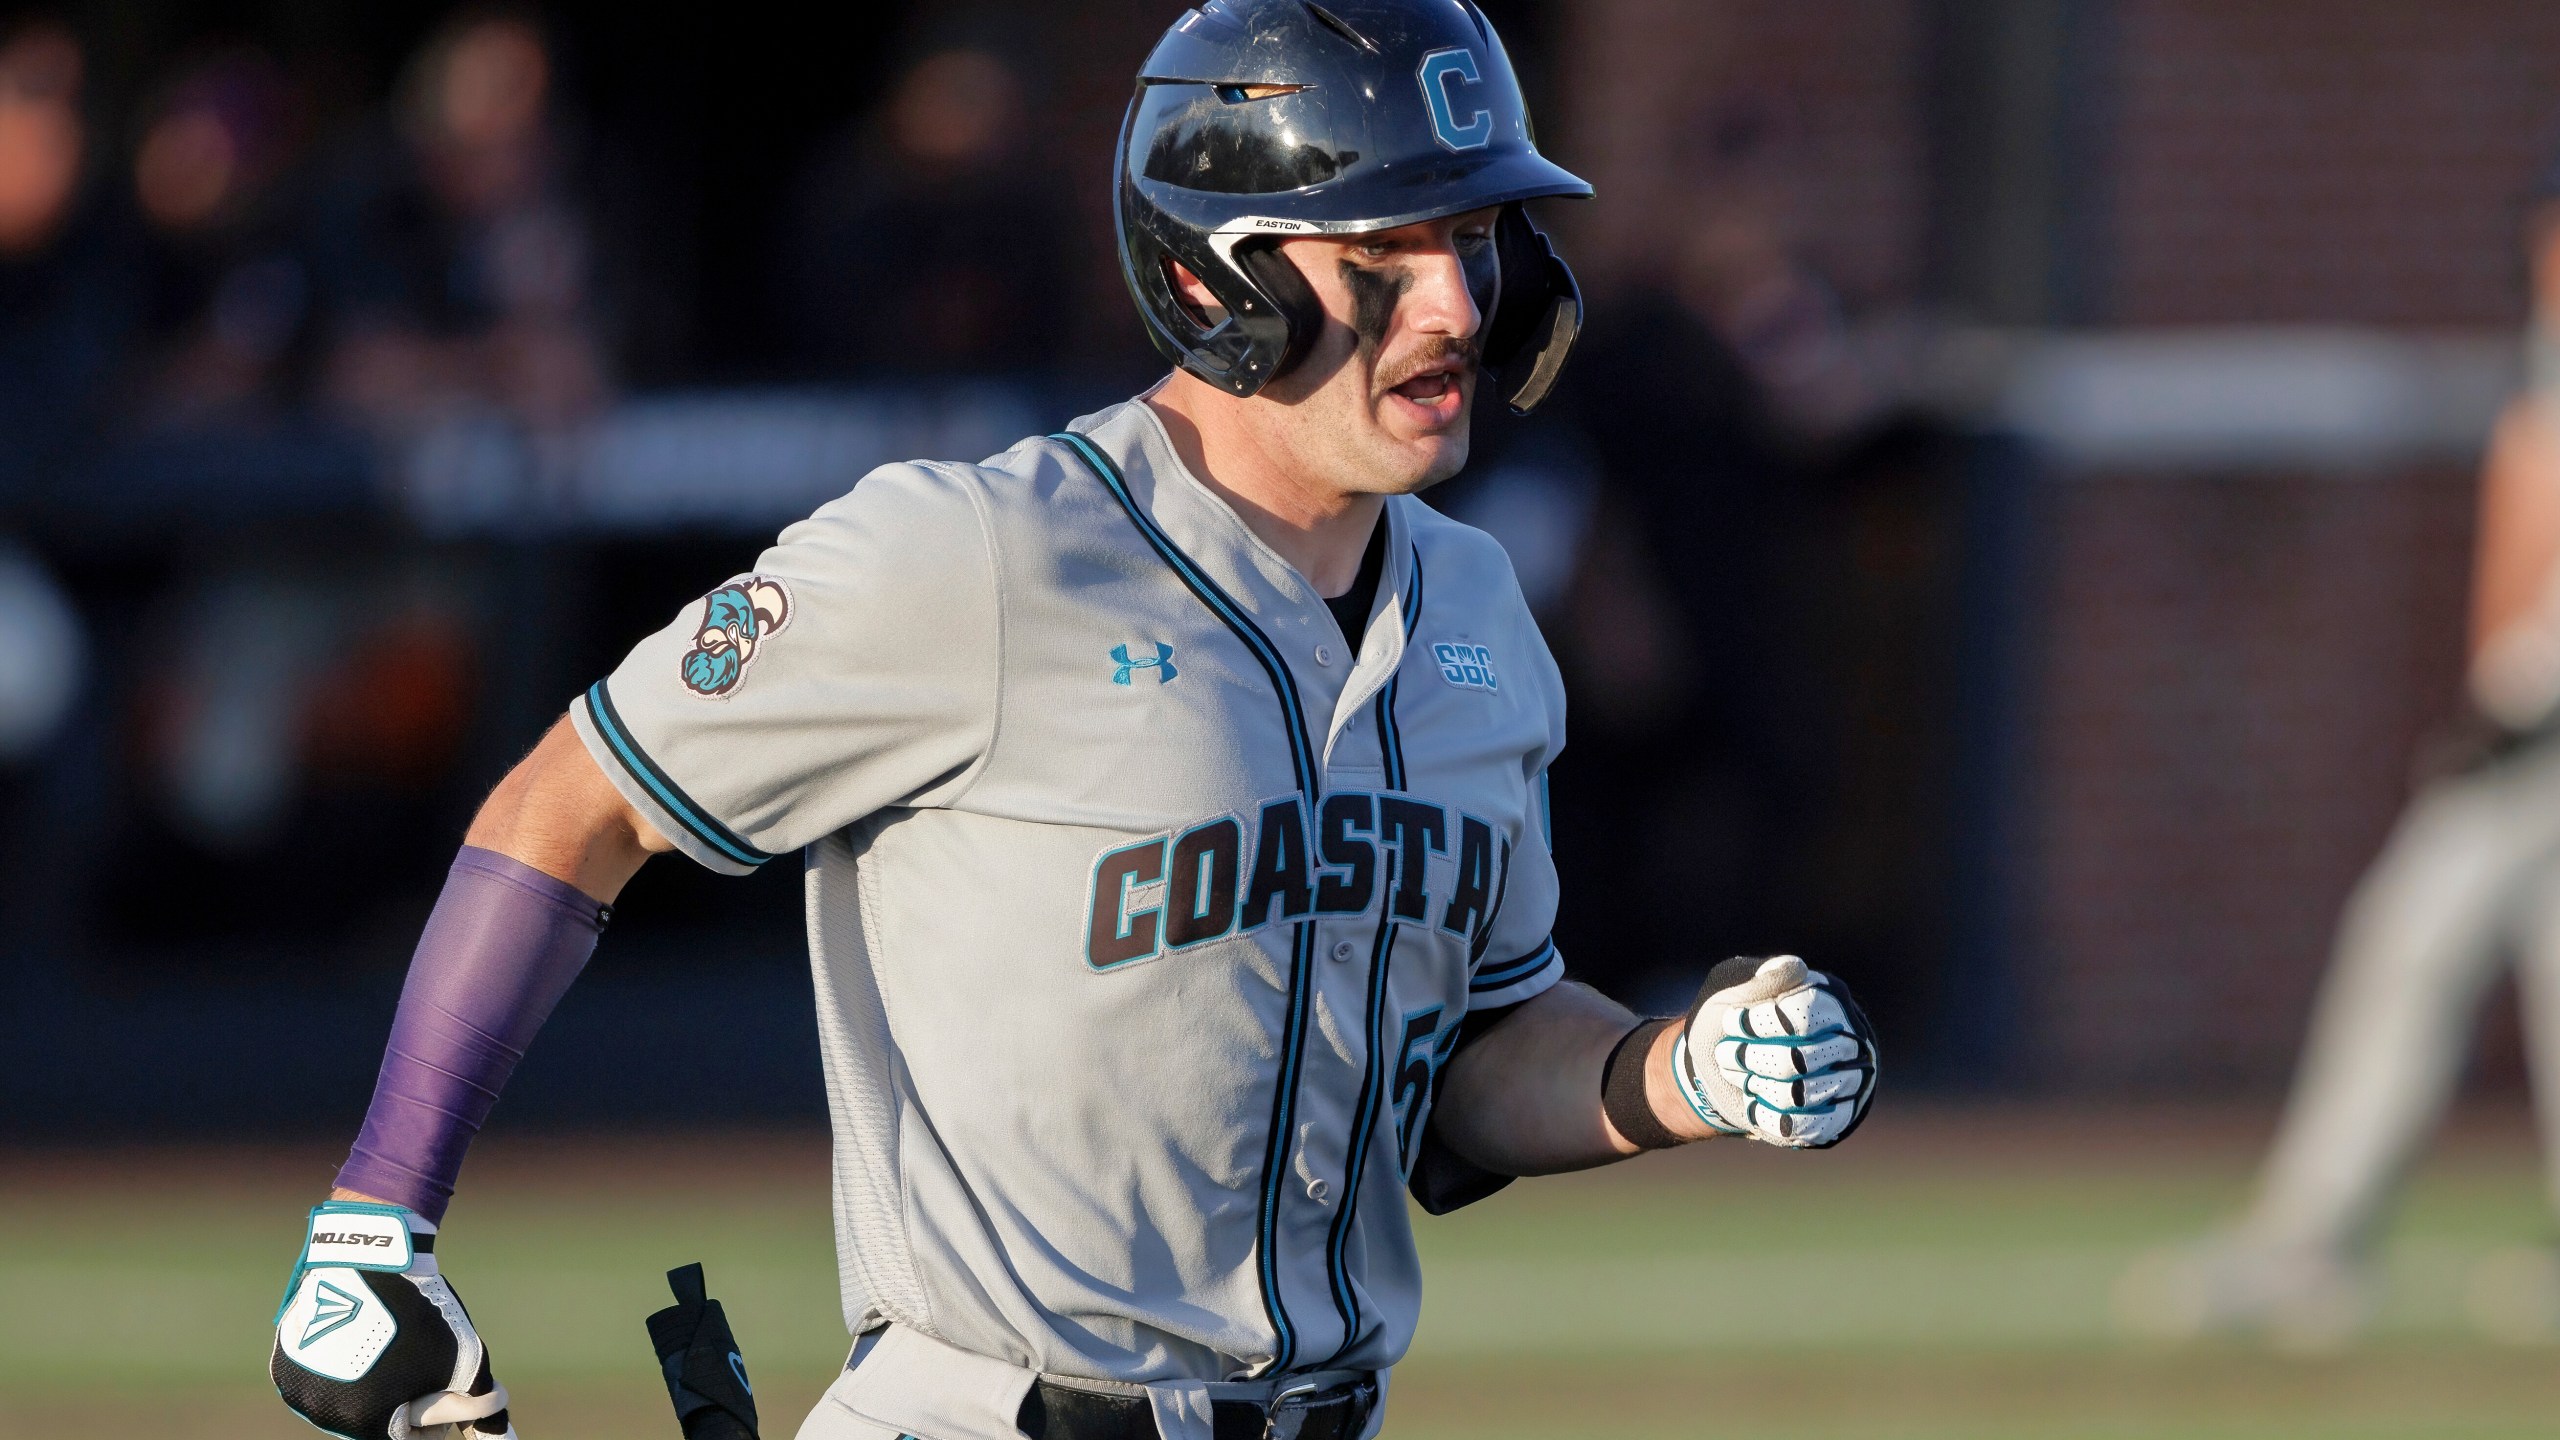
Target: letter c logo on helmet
[(1437, 70)]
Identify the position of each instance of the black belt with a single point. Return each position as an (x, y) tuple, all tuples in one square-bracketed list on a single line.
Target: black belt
[(1061, 1412)]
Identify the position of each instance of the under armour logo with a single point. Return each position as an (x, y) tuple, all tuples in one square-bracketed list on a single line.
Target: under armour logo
[(331, 1308), (1123, 667)]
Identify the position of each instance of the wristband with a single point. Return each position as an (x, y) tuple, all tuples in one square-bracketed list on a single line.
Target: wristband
[(1622, 1089), (1691, 1090)]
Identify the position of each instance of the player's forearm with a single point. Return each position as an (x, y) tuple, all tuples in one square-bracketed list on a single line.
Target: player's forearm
[(1525, 1099)]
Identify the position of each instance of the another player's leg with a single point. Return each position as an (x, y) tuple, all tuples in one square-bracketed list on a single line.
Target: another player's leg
[(2417, 946), (2515, 1294)]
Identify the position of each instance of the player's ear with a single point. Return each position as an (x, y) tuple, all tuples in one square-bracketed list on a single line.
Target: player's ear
[(1194, 293)]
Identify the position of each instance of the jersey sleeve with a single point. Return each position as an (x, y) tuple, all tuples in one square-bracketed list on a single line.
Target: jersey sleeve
[(1519, 962), (852, 670), (1518, 959)]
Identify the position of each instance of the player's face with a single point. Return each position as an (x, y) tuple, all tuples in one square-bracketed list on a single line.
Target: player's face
[(1380, 402)]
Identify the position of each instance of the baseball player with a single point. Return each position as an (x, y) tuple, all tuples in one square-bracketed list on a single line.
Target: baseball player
[(1171, 796), (2470, 877)]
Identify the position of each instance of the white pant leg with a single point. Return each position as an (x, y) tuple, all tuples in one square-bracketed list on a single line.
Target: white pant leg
[(2538, 990), (2417, 946)]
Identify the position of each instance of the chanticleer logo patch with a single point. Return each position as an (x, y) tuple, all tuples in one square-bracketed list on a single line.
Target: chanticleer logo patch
[(737, 619)]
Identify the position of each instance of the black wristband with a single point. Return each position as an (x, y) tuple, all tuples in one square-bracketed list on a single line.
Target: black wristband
[(1622, 1089)]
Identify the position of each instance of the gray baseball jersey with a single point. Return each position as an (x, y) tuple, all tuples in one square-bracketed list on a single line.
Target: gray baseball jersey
[(1143, 908)]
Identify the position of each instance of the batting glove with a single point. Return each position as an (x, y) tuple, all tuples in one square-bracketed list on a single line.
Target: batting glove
[(1777, 1052), (372, 1343)]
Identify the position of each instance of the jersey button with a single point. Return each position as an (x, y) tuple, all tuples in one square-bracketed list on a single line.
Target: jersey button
[(1343, 950), (1317, 1189), (1324, 654)]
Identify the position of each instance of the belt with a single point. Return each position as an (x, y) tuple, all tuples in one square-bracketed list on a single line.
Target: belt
[(1303, 1412)]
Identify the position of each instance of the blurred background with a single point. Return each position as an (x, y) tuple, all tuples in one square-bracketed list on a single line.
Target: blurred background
[(2007, 532)]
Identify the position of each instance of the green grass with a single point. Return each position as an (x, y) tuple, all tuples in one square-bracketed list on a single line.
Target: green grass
[(1946, 1275)]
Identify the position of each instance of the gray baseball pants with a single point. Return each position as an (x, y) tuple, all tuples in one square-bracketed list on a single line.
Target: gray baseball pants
[(2469, 879)]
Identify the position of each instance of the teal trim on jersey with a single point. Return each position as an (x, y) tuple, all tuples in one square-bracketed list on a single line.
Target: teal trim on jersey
[(1302, 948), (666, 792), (1390, 744), (1512, 972), (1364, 1121), (1413, 597), (1275, 1153)]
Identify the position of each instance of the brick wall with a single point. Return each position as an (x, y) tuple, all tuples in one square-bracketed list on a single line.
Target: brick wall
[(1808, 113), (2237, 667), (2234, 670), (2326, 160)]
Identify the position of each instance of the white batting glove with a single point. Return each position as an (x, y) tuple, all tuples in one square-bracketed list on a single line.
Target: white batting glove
[(1777, 1052), (372, 1343)]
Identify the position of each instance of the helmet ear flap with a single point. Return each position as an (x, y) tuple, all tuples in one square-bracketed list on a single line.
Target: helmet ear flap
[(1537, 315), (1292, 300), (1271, 315)]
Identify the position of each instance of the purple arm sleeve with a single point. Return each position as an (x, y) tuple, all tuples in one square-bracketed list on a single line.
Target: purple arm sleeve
[(501, 948)]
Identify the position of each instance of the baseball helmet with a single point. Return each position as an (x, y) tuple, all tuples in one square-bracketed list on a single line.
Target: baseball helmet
[(1256, 120)]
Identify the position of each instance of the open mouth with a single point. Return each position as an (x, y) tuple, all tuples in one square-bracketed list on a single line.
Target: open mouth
[(1432, 397)]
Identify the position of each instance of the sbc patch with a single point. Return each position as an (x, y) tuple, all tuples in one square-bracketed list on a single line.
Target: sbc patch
[(1469, 667), (737, 619)]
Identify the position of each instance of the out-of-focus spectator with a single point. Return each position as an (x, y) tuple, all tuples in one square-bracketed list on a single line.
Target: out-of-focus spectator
[(928, 242), (218, 139), (1736, 258), (43, 655), (41, 137), (67, 308), (229, 294), (1740, 273), (273, 670), (454, 258)]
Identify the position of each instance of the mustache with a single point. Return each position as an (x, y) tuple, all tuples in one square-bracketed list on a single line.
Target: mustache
[(1432, 355)]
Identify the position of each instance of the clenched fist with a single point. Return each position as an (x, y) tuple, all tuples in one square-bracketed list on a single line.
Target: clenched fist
[(1777, 1052)]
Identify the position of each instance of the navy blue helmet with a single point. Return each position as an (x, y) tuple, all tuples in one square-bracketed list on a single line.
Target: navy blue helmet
[(1255, 120)]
